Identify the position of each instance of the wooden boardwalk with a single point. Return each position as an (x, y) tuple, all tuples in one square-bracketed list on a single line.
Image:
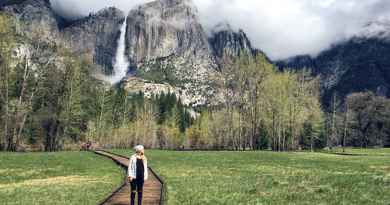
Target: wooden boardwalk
[(152, 192)]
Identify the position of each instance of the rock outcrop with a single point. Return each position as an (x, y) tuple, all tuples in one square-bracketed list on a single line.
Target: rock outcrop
[(96, 35), (165, 37), (228, 44), (36, 18), (164, 28)]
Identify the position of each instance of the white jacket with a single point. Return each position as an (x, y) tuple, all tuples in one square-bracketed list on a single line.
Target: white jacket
[(132, 168)]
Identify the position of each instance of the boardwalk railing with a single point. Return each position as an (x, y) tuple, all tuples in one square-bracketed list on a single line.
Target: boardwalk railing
[(163, 190)]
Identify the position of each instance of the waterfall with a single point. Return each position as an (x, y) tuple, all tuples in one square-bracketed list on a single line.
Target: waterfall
[(121, 63)]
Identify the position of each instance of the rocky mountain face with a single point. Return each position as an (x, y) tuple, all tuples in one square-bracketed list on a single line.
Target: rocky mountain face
[(357, 65), (163, 38), (96, 35), (163, 28), (167, 47), (167, 44), (37, 17), (228, 44)]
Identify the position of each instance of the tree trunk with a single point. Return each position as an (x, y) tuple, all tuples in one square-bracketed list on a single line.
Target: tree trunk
[(273, 131), (311, 143), (239, 128), (333, 121), (279, 135), (19, 117), (345, 127), (5, 137), (100, 121)]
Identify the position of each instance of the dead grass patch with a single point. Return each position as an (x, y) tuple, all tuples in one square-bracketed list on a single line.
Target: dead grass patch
[(385, 169), (62, 180)]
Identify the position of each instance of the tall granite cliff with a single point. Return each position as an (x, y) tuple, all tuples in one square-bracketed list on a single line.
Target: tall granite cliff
[(163, 28), (96, 35)]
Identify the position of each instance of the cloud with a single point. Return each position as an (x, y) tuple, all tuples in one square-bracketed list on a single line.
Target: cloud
[(281, 28), (284, 28), (72, 9)]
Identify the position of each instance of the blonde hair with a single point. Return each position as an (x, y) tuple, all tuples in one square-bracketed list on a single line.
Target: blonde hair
[(139, 148)]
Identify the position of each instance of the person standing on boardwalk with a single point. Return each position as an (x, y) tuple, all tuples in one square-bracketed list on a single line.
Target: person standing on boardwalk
[(137, 173)]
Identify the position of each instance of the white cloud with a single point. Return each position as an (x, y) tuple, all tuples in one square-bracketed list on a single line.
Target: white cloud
[(281, 28), (79, 8)]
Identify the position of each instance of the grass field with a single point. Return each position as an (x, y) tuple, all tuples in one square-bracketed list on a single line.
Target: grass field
[(362, 151), (56, 178), (273, 178)]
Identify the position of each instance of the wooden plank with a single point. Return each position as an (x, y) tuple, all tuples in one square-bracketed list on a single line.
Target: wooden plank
[(152, 187)]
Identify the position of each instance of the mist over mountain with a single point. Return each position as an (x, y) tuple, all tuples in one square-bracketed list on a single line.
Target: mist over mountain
[(359, 64)]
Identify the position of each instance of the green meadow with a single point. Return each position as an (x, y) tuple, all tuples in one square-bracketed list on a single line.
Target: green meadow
[(56, 178), (362, 152), (273, 178), (204, 177)]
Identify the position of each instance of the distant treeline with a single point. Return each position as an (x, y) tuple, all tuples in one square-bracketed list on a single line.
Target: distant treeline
[(360, 120)]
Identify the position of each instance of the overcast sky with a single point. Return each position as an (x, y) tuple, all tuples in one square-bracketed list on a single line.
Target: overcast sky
[(281, 28)]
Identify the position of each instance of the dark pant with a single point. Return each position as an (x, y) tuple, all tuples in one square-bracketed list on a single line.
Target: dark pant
[(136, 186)]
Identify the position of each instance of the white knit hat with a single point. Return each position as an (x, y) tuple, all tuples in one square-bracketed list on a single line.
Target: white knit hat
[(139, 148)]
